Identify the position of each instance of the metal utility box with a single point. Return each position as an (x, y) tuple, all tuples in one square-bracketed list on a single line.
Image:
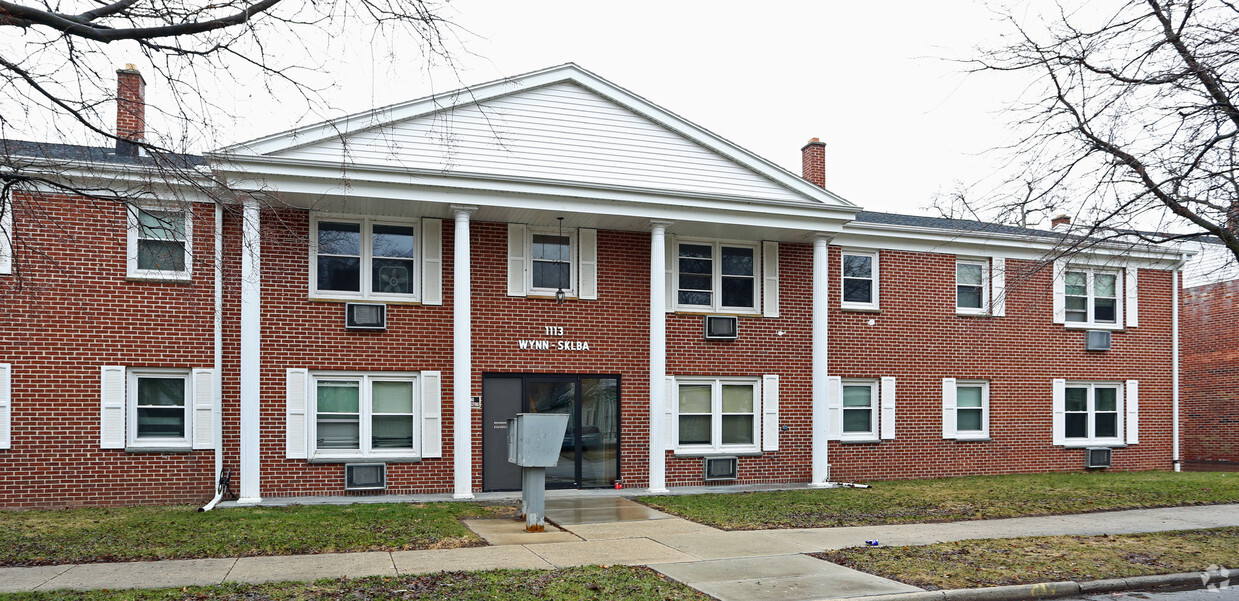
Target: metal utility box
[(535, 439), (534, 443)]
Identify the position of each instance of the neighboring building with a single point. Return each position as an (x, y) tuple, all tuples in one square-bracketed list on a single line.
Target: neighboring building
[(387, 289), (1210, 322)]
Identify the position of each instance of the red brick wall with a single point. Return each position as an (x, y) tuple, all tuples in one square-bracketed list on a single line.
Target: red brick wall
[(69, 310), (96, 318), (1210, 372), (918, 339)]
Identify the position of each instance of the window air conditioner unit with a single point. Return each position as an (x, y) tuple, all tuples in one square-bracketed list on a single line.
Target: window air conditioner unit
[(721, 468), (722, 327), (365, 476), (1096, 457), (365, 316), (1096, 340)]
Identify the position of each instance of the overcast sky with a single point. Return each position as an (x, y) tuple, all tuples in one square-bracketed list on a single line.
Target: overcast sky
[(883, 84)]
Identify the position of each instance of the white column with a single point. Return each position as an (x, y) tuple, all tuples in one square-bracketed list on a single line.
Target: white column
[(462, 358), (658, 355), (251, 358), (821, 290)]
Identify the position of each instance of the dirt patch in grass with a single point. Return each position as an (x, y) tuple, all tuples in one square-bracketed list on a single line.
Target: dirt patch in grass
[(573, 584), (180, 532), (1029, 560), (952, 499)]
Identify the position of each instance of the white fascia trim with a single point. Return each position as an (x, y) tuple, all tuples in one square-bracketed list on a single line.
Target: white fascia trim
[(921, 239), (147, 180), (319, 179), (563, 73)]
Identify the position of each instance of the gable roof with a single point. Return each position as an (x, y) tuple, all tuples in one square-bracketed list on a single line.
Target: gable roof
[(559, 125)]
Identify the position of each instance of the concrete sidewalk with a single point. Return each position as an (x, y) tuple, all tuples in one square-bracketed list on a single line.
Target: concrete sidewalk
[(766, 564)]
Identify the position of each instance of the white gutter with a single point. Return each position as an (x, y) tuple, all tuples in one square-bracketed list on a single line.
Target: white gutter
[(217, 412), (1174, 367)]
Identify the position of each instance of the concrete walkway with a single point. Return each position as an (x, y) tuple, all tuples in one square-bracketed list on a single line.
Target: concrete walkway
[(609, 530)]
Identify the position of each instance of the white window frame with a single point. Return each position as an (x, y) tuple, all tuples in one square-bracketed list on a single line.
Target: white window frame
[(716, 278), (1120, 426), (716, 445), (134, 229), (874, 304), (6, 236), (983, 433), (1090, 290), (367, 259), (875, 407), (364, 450), (156, 443), (573, 262), (984, 309)]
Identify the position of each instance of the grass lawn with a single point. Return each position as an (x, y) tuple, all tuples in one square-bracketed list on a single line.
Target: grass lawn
[(147, 533), (953, 499), (593, 582), (977, 563)]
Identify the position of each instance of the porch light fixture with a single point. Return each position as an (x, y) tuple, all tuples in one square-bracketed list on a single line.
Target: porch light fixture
[(560, 297)]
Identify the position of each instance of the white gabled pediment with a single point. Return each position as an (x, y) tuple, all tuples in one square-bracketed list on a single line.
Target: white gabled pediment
[(562, 125)]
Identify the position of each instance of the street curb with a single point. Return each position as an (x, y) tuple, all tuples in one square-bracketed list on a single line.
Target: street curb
[(1054, 590)]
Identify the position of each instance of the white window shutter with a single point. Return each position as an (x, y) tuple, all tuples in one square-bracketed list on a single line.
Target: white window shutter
[(6, 403), (1132, 399), (673, 259), (1131, 307), (998, 287), (112, 407), (770, 278), (948, 408), (887, 419), (834, 408), (1060, 411), (1060, 292), (517, 261), (432, 261), (432, 414), (587, 263), (296, 396), (671, 408), (203, 382), (770, 412)]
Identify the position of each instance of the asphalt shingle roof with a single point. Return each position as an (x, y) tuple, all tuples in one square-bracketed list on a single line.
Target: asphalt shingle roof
[(94, 154)]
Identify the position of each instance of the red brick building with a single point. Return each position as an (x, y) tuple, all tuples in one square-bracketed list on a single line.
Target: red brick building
[(1211, 359), (378, 294)]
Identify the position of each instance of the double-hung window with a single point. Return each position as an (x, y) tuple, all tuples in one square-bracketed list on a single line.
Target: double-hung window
[(6, 236), (859, 410), (159, 243), (966, 409), (364, 258), (160, 409), (364, 416), (1092, 413), (1091, 296), (971, 286), (860, 280), (717, 276), (551, 264), (717, 415)]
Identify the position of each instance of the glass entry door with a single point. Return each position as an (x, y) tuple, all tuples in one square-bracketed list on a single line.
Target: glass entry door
[(589, 453)]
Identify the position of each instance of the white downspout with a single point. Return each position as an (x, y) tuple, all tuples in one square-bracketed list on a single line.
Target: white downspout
[(217, 412), (1174, 368)]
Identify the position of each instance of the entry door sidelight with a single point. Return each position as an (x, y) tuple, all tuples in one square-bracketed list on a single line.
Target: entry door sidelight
[(558, 395)]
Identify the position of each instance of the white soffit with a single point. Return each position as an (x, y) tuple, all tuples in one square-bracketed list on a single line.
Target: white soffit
[(560, 125)]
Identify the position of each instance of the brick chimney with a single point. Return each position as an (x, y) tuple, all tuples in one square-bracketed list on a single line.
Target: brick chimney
[(1060, 222), (813, 162), (130, 110)]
